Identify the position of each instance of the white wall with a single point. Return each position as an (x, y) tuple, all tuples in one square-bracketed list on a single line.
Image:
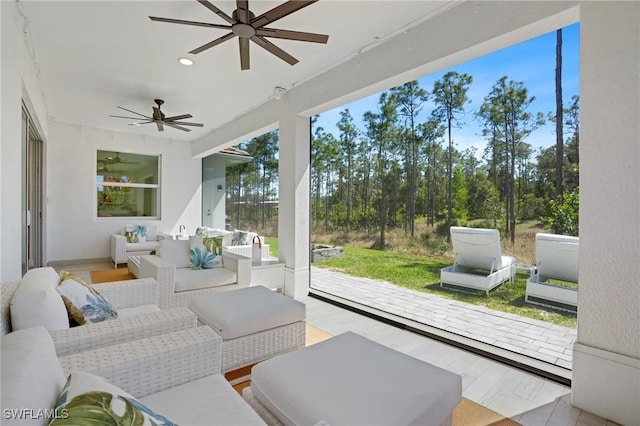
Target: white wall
[(606, 361), (18, 81), (74, 231)]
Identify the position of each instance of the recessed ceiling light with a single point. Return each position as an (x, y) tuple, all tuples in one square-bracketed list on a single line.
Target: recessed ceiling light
[(185, 61)]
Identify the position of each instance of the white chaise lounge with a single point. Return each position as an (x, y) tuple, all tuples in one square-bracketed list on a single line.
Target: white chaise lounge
[(479, 263), (556, 258)]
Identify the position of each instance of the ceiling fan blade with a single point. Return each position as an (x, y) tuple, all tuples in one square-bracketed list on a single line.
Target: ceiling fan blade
[(266, 44), (128, 118), (178, 117), (217, 11), (136, 113), (292, 35), (184, 123), (244, 53), (213, 43), (279, 12), (184, 129), (159, 124), (195, 23), (243, 11)]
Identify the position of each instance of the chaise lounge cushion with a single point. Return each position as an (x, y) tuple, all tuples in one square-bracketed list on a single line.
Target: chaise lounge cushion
[(36, 301)]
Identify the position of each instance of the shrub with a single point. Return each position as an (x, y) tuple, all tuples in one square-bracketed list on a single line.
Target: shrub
[(564, 214)]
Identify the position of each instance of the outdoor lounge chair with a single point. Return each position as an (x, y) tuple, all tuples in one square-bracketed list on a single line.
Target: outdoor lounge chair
[(556, 258), (479, 263)]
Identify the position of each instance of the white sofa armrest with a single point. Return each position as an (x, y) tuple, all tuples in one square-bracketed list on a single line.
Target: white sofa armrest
[(241, 265), (246, 250), (164, 236), (7, 290), (130, 293), (147, 366), (97, 335), (118, 249)]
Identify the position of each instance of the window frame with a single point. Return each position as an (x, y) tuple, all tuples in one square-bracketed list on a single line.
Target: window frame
[(132, 185)]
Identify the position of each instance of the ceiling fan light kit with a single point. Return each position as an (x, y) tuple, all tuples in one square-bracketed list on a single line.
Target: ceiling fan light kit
[(248, 27)]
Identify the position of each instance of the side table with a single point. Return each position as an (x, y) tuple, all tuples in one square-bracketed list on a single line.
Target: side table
[(269, 273)]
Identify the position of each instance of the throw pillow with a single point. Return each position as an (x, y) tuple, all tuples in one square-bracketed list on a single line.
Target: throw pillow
[(91, 400), (205, 252), (239, 238), (84, 304), (135, 233)]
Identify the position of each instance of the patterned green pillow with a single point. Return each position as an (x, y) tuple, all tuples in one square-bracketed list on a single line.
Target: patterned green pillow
[(135, 233), (91, 400), (83, 302), (239, 238), (205, 252)]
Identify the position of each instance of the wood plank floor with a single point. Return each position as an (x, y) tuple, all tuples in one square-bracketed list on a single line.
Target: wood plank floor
[(525, 398)]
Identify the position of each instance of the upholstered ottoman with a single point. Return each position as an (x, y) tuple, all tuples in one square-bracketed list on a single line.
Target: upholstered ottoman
[(351, 380), (255, 323)]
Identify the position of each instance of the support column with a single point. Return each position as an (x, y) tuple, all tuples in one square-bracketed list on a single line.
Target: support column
[(293, 205), (606, 357)]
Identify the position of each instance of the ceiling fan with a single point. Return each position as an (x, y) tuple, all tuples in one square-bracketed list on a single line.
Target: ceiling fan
[(160, 119), (115, 160), (246, 26)]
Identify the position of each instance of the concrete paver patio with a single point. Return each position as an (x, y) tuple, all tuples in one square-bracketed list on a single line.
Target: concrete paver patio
[(531, 338)]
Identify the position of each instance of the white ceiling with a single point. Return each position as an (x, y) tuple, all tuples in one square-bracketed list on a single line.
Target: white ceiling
[(93, 56)]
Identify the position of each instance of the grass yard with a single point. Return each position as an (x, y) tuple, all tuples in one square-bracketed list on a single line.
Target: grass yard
[(423, 274)]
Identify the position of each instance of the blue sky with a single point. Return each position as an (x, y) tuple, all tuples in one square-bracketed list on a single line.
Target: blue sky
[(531, 62)]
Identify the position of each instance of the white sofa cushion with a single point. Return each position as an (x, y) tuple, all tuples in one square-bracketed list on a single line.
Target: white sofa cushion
[(246, 311), (349, 379), (193, 279), (146, 246), (32, 377), (176, 252), (89, 399), (36, 302), (209, 400)]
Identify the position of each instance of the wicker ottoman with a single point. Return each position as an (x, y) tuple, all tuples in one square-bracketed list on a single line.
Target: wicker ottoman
[(255, 324), (351, 380)]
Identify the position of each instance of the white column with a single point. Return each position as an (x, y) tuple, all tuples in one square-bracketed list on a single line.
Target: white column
[(293, 205), (606, 359)]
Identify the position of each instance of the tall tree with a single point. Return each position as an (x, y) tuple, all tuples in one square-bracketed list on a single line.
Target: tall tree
[(505, 109), (348, 135), (410, 97), (572, 122), (559, 119), (380, 128), (450, 95), (431, 132)]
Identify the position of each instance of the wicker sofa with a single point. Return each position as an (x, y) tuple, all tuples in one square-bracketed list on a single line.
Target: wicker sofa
[(136, 302), (121, 249), (178, 283), (176, 376)]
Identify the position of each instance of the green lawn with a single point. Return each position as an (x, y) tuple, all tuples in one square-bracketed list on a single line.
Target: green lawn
[(423, 274)]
